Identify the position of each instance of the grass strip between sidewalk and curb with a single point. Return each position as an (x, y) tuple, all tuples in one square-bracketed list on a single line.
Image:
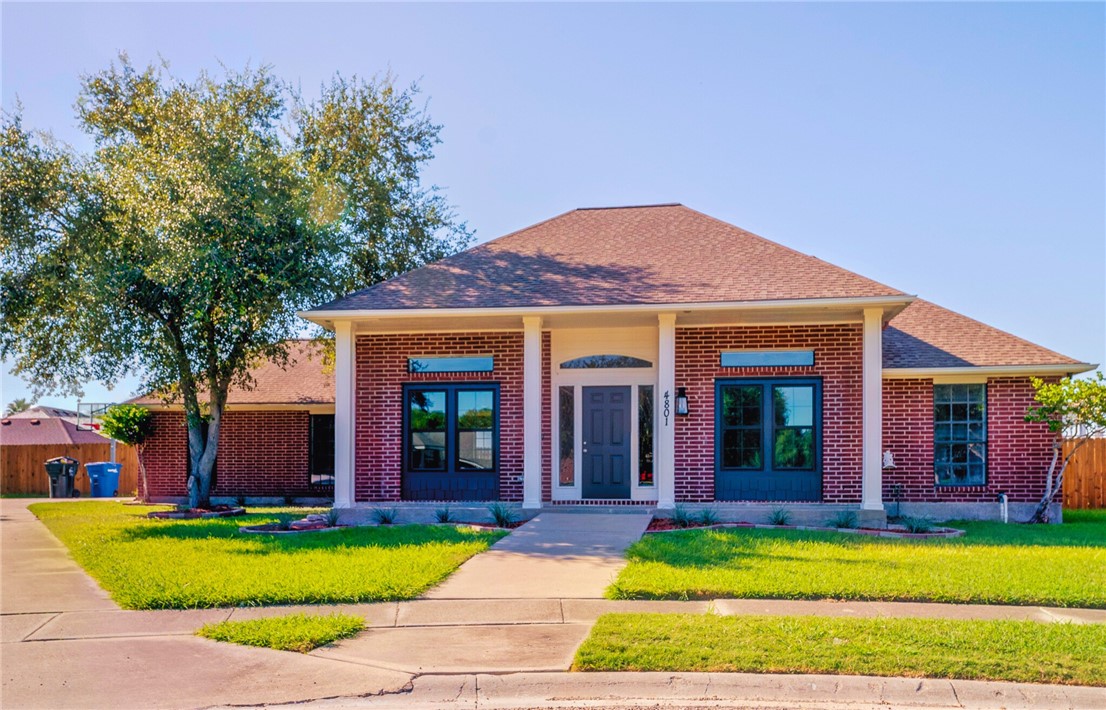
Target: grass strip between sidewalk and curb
[(294, 632), (205, 563), (994, 563), (1016, 651)]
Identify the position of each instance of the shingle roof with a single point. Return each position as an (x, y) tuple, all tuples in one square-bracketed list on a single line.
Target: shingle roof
[(305, 380), (927, 335), (617, 256), (31, 432)]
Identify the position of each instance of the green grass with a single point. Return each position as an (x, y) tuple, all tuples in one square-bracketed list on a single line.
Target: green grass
[(182, 564), (295, 632), (1053, 565), (1020, 651)]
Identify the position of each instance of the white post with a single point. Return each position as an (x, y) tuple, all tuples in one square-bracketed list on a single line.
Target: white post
[(344, 388), (531, 412), (871, 496), (665, 414)]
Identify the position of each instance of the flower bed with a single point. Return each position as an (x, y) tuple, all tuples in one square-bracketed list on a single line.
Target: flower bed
[(662, 525), (218, 511)]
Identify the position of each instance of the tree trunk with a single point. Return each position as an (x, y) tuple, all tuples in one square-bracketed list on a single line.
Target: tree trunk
[(203, 445), (142, 479)]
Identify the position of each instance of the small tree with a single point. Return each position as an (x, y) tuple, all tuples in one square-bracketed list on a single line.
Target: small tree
[(18, 405), (133, 426), (1074, 410)]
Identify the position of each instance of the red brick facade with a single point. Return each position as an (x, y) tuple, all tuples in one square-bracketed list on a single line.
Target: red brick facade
[(381, 369), (1018, 453), (837, 360), (261, 453)]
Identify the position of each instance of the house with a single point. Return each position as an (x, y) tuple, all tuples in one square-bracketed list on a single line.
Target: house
[(657, 356), (277, 437), (39, 411)]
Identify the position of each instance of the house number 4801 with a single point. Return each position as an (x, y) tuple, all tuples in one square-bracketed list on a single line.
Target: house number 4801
[(667, 409)]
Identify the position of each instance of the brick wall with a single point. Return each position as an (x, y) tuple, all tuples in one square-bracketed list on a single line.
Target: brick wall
[(263, 453), (837, 360), (382, 372), (1018, 452)]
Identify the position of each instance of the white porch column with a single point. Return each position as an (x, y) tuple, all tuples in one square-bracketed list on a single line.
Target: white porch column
[(344, 388), (872, 378), (665, 414), (531, 412)]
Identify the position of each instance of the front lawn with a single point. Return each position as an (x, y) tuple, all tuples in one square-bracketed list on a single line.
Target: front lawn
[(1052, 565), (182, 564), (1018, 651)]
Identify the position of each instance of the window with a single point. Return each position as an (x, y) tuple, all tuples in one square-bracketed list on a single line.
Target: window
[(566, 421), (645, 435), (451, 428), (765, 358), (589, 362), (769, 425), (321, 448), (960, 434), (450, 364)]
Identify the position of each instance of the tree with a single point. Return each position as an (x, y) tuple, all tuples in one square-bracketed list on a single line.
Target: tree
[(206, 214), (131, 425), (1074, 410), (18, 405)]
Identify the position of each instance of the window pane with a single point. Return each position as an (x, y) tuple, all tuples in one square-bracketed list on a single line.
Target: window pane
[(960, 434), (645, 435), (428, 450), (741, 406), (741, 448), (427, 410), (475, 422), (322, 450), (794, 406), (589, 362), (794, 448), (567, 420)]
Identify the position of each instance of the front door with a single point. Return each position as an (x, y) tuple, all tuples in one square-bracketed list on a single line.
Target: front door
[(606, 443)]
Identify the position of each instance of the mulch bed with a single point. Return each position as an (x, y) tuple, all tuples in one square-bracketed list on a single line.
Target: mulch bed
[(493, 526), (218, 511), (287, 529), (660, 525)]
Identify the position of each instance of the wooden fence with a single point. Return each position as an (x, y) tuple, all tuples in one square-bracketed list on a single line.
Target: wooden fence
[(1085, 479), (22, 469)]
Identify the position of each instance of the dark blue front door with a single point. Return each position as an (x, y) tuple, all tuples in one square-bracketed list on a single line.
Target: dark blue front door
[(606, 444)]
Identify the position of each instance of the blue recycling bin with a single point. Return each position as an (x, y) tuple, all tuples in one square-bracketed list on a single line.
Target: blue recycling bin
[(103, 479)]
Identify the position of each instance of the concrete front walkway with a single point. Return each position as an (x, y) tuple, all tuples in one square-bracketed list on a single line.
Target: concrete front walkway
[(557, 555)]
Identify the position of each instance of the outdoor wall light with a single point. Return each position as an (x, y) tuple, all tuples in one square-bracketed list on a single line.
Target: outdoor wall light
[(681, 401)]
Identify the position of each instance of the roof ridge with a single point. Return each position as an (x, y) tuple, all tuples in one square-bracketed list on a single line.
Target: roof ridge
[(630, 207), (791, 249)]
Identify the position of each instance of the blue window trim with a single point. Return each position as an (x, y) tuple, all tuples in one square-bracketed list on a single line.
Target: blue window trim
[(767, 358), (767, 435), (451, 389)]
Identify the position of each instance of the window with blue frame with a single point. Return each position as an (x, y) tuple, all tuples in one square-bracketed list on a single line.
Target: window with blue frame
[(768, 425), (960, 434), (451, 428)]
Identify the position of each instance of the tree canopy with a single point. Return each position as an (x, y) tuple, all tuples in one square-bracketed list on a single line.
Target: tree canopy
[(206, 214)]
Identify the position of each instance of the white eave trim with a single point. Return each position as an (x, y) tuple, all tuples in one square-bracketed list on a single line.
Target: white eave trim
[(795, 304), (911, 373)]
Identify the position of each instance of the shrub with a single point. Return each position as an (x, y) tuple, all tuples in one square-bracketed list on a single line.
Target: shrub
[(332, 516), (916, 525), (385, 516), (708, 516), (780, 516), (503, 514), (681, 518), (444, 515), (844, 519)]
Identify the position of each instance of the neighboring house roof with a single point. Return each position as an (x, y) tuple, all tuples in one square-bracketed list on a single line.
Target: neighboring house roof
[(39, 411), (926, 335), (45, 431), (305, 380), (657, 254)]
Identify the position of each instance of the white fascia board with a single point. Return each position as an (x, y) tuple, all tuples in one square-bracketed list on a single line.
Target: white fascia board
[(913, 373), (320, 317)]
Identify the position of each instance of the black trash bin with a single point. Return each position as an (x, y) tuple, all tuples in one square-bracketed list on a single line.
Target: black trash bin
[(62, 472)]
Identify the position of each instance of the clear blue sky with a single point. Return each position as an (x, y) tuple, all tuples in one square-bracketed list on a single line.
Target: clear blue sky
[(955, 151)]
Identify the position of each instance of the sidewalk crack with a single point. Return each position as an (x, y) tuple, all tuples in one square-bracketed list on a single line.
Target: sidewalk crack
[(39, 627)]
